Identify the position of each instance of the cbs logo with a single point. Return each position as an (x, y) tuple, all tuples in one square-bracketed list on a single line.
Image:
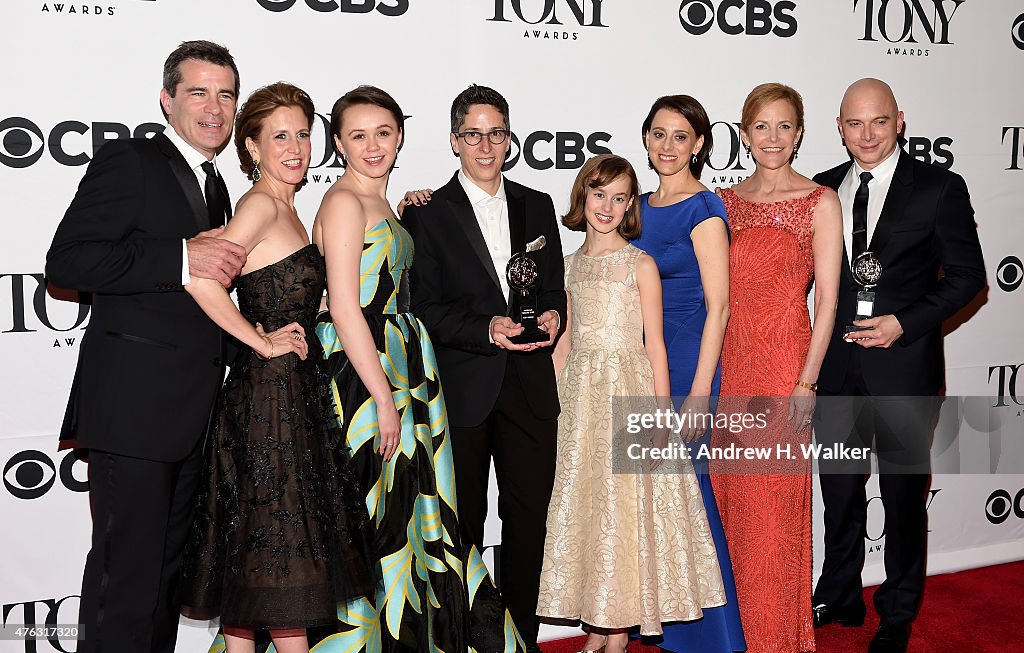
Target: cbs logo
[(560, 150), (759, 18), (1017, 32), (30, 474), (387, 8), (70, 143), (931, 151), (1000, 505)]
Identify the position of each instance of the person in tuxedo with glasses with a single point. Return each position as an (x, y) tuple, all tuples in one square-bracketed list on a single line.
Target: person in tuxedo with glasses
[(911, 239), (144, 221), (501, 396)]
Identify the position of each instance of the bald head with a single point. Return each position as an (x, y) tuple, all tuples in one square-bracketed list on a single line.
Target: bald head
[(870, 122), (869, 89)]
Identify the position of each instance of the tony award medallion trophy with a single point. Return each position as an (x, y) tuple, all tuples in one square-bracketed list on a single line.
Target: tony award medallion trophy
[(522, 277), (867, 270)]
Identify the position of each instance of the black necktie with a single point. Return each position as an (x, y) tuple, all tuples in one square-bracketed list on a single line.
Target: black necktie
[(860, 217), (218, 206)]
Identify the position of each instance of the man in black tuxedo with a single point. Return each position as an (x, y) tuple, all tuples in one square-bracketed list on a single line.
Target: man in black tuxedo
[(500, 395), (881, 382), (144, 220)]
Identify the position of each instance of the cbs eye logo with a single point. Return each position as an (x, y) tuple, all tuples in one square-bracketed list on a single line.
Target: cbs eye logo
[(1000, 505), (1017, 32), (70, 142), (542, 150), (21, 142), (30, 474), (1010, 273), (751, 17)]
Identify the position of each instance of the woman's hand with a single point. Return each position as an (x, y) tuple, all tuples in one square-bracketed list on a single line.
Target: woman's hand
[(693, 413), (658, 441), (801, 407), (286, 340), (417, 197), (390, 425)]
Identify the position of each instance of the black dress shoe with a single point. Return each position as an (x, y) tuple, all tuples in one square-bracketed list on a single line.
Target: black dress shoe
[(890, 638), (845, 615)]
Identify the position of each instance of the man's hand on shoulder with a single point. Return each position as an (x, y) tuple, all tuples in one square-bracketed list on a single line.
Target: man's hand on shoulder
[(212, 257)]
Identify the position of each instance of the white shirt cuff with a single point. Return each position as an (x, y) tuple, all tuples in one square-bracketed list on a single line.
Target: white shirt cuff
[(185, 277)]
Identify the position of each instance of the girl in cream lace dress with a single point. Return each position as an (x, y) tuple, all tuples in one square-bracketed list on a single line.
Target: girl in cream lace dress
[(625, 547)]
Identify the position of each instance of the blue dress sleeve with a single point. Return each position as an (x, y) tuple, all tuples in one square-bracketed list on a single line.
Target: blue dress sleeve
[(709, 205)]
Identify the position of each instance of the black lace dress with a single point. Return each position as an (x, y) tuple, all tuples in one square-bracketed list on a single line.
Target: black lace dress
[(280, 536)]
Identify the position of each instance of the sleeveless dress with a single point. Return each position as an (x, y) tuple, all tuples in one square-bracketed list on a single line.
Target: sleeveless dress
[(767, 509), (666, 237), (279, 536), (624, 546), (437, 594)]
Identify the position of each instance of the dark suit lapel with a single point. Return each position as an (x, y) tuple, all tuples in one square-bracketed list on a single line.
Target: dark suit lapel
[(895, 201), (516, 217), (187, 180), (462, 211)]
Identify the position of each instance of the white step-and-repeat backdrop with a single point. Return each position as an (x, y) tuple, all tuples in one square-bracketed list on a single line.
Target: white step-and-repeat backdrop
[(580, 76)]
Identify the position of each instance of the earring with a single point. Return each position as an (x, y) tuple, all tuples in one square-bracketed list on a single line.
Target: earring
[(256, 173), (693, 158), (746, 146), (796, 153)]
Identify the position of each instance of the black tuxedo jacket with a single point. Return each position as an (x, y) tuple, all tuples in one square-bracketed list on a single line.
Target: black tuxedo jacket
[(150, 362), (926, 226), (456, 292)]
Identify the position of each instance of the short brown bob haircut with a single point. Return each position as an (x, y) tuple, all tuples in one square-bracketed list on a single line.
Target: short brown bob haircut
[(601, 171), (689, 108)]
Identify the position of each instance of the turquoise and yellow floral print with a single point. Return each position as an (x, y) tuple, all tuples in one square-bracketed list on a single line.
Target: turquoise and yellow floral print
[(436, 595)]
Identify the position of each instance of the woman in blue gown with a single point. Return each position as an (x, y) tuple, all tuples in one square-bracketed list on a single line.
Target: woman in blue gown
[(685, 230)]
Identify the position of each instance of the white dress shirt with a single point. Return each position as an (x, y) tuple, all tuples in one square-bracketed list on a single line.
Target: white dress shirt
[(878, 188), (491, 213), (195, 159)]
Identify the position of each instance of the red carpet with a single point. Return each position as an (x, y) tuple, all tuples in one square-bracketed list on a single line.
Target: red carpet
[(974, 611)]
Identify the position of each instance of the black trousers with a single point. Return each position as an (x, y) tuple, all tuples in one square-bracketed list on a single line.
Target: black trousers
[(141, 512), (523, 448), (899, 429)]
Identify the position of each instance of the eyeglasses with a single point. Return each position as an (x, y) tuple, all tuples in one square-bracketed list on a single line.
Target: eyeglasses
[(473, 137)]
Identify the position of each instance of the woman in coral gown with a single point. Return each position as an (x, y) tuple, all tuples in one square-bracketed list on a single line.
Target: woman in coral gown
[(786, 233)]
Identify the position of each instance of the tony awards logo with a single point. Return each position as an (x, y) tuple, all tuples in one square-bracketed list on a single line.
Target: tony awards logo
[(523, 277)]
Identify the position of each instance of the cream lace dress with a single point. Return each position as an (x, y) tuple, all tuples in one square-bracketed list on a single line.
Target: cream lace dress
[(631, 548)]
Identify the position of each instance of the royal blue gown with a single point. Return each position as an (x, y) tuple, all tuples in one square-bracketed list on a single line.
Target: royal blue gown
[(666, 237)]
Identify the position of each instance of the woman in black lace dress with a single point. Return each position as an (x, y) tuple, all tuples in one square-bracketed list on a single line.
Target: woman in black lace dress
[(278, 539)]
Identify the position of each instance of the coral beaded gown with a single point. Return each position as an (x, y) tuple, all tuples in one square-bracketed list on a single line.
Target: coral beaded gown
[(766, 507)]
